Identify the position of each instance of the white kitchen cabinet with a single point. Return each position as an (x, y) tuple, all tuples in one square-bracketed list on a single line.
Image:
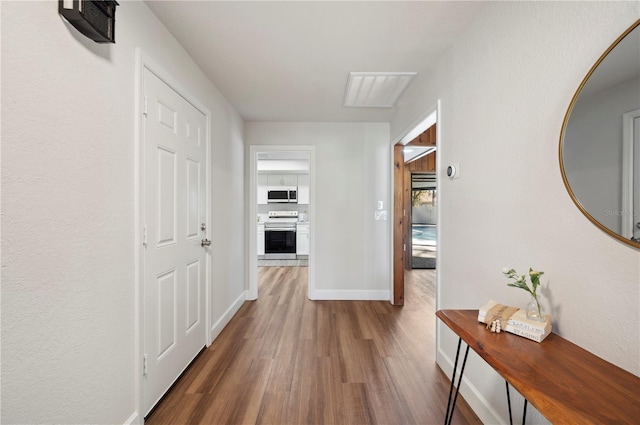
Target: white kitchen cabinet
[(302, 239), (262, 189), (303, 188), (260, 241), (282, 180), (274, 179), (290, 180)]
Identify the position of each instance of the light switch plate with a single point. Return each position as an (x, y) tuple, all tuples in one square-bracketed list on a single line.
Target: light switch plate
[(380, 215)]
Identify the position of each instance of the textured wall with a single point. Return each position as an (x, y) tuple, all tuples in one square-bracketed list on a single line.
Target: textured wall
[(504, 87), (68, 138)]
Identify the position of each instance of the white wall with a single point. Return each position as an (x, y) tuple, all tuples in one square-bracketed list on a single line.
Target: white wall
[(351, 174), (504, 87), (68, 139), (279, 165)]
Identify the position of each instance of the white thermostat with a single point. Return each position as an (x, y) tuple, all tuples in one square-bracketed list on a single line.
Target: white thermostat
[(453, 171)]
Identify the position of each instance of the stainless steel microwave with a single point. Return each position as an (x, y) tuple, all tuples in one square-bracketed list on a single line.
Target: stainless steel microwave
[(282, 194)]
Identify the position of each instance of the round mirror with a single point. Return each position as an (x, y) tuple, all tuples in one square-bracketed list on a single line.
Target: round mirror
[(600, 141)]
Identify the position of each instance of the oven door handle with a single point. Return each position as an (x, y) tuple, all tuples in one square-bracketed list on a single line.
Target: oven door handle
[(280, 229)]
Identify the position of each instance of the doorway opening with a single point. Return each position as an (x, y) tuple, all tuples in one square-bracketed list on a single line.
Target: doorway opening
[(281, 212), (423, 220), (415, 203)]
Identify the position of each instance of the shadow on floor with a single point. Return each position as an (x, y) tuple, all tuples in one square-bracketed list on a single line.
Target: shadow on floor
[(423, 257)]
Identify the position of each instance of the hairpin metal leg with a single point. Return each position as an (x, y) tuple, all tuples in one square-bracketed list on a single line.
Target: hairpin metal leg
[(451, 405), (509, 403), (524, 412), (455, 366)]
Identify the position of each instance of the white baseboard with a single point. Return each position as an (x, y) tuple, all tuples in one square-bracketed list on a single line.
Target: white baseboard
[(349, 295), (134, 419), (226, 317), (472, 396)]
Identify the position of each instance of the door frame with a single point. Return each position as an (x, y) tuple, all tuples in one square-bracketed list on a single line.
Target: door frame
[(252, 261), (399, 215), (142, 62), (627, 173), (397, 259)]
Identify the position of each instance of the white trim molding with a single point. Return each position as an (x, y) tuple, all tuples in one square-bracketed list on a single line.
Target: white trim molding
[(134, 419), (252, 260), (474, 398), (627, 173), (349, 295), (217, 327)]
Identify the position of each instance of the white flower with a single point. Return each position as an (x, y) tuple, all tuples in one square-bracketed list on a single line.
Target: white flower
[(505, 270)]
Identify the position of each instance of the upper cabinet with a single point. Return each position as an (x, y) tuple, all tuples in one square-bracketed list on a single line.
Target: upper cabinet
[(284, 170), (303, 188), (290, 180), (262, 189), (301, 181)]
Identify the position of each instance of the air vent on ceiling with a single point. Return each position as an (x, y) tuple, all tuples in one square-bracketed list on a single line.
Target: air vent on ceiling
[(376, 89)]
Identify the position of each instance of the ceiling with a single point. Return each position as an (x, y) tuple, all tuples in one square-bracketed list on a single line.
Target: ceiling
[(290, 61)]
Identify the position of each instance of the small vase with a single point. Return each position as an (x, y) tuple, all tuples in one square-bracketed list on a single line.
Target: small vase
[(534, 310)]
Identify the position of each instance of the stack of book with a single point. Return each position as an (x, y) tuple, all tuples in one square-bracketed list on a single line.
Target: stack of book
[(518, 323)]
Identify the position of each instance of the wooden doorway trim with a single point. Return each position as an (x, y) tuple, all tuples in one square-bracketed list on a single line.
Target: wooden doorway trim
[(402, 247), (398, 225), (406, 230)]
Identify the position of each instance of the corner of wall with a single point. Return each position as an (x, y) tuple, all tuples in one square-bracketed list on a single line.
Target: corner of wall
[(219, 325), (134, 419)]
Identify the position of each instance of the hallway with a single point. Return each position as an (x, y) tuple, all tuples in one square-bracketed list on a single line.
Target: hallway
[(286, 360)]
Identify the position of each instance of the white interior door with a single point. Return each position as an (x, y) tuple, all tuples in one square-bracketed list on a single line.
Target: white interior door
[(174, 202)]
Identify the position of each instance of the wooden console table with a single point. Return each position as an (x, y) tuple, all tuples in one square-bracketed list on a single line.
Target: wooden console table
[(567, 384)]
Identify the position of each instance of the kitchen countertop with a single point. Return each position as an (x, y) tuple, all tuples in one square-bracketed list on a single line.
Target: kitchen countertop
[(264, 218)]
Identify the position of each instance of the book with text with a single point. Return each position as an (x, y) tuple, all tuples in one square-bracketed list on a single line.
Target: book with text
[(516, 321)]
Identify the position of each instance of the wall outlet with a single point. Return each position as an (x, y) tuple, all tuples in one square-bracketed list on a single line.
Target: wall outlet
[(380, 215)]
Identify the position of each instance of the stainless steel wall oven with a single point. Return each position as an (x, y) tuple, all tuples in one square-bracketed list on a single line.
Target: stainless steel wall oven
[(280, 241)]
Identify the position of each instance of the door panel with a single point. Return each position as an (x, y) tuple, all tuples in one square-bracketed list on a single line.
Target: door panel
[(166, 325), (166, 192), (174, 260), (193, 190), (193, 295)]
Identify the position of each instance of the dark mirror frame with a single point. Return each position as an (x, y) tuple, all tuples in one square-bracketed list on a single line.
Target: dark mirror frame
[(562, 134)]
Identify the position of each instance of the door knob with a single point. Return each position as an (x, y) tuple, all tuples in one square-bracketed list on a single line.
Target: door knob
[(205, 242)]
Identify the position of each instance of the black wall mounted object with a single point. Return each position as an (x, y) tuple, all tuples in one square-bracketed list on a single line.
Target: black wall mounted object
[(94, 18)]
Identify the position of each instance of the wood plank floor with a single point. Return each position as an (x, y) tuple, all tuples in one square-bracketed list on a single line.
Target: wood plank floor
[(286, 360)]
